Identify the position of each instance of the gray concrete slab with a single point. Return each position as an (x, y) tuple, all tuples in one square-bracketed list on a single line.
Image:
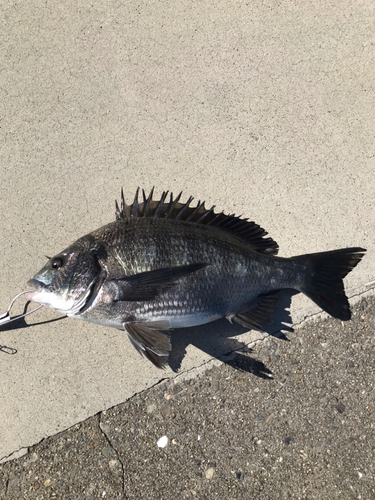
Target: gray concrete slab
[(262, 110)]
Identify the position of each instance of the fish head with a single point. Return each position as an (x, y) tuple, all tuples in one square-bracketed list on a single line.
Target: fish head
[(66, 281)]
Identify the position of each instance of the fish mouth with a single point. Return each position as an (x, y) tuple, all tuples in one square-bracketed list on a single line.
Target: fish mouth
[(38, 285), (65, 302)]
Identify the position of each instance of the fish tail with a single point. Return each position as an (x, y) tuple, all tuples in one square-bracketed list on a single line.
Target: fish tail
[(324, 281)]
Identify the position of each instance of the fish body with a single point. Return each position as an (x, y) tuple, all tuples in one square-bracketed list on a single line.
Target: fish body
[(163, 265)]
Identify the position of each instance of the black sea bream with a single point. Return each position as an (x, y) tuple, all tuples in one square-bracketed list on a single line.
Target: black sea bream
[(163, 264)]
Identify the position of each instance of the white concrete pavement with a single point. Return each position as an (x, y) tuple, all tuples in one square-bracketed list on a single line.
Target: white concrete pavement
[(264, 110)]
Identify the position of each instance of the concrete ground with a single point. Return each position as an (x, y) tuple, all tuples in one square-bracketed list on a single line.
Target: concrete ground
[(263, 110)]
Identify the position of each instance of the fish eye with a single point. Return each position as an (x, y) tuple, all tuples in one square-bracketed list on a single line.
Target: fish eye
[(56, 263)]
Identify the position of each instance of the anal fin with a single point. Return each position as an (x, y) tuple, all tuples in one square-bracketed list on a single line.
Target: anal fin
[(261, 314), (150, 341)]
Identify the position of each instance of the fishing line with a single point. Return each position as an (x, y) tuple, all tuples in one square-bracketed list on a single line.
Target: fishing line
[(5, 319)]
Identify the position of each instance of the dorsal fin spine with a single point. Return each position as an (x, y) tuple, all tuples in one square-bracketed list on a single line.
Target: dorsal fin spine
[(195, 211), (118, 213), (250, 232), (146, 202), (134, 211), (159, 208), (207, 214), (123, 205), (172, 204), (184, 209)]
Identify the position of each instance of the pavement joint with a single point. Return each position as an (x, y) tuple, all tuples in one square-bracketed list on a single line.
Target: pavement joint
[(6, 486), (24, 449)]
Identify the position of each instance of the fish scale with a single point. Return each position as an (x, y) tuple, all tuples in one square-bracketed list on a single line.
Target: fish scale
[(166, 264), (167, 243)]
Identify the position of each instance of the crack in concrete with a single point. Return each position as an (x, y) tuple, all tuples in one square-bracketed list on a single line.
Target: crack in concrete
[(101, 429), (6, 486)]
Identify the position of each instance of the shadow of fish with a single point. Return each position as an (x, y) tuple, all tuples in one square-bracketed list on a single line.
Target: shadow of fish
[(164, 264)]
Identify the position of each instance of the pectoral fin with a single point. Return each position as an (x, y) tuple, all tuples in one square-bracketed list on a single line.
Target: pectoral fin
[(150, 341), (150, 284)]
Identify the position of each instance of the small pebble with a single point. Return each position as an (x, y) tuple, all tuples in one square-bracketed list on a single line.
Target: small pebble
[(209, 473), (107, 452), (340, 408), (165, 410), (162, 442), (215, 385), (151, 408)]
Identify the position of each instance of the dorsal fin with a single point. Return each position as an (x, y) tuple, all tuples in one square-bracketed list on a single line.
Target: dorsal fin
[(174, 209)]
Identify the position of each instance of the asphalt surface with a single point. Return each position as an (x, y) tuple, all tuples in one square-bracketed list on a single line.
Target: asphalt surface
[(232, 431)]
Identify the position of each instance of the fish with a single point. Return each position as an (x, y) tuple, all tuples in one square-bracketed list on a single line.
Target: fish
[(164, 264)]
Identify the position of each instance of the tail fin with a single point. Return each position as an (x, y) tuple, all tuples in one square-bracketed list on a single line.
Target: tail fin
[(324, 283)]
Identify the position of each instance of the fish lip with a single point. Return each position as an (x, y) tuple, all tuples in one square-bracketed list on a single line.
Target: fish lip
[(38, 285)]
